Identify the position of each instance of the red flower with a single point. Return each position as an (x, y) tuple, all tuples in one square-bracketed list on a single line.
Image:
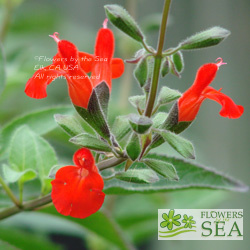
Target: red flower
[(77, 190), (75, 65), (190, 102)]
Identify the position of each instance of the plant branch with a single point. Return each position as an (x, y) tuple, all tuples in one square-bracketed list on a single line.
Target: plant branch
[(9, 192), (158, 59), (41, 202)]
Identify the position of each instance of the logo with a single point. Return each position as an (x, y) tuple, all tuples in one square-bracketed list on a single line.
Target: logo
[(200, 224)]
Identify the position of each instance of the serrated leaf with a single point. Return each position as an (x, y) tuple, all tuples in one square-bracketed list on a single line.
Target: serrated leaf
[(40, 122), (141, 72), (178, 61), (138, 101), (69, 124), (11, 175), (181, 145), (133, 148), (168, 95), (140, 124), (119, 17), (2, 69), (91, 142), (206, 38), (29, 151), (94, 114), (165, 169), (138, 176), (191, 175)]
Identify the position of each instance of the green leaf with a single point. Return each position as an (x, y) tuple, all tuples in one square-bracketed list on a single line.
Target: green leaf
[(69, 123), (167, 95), (121, 128), (138, 176), (102, 91), (206, 38), (26, 240), (165, 67), (178, 61), (191, 175), (181, 145), (105, 228), (40, 122), (140, 124), (119, 17), (165, 169), (94, 114), (138, 101), (91, 142), (11, 175), (29, 151), (159, 118), (141, 72), (2, 69), (133, 148)]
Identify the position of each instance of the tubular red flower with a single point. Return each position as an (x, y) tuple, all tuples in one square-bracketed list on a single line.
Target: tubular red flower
[(75, 65), (77, 190), (190, 102), (105, 67)]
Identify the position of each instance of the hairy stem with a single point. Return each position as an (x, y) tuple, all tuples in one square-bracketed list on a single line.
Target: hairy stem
[(158, 59)]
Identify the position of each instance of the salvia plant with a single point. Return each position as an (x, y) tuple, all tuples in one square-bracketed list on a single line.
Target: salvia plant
[(114, 156)]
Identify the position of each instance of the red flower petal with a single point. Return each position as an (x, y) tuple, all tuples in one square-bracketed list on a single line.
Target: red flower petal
[(37, 84), (80, 88), (86, 61), (117, 66), (84, 158), (205, 75), (77, 192), (104, 50), (68, 52), (229, 108), (79, 84)]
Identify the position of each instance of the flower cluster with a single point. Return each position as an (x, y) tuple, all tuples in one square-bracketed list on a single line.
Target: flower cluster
[(74, 66)]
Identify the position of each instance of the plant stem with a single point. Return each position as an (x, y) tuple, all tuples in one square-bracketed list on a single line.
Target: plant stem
[(110, 163), (9, 192), (41, 202), (20, 187), (31, 205), (158, 59)]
